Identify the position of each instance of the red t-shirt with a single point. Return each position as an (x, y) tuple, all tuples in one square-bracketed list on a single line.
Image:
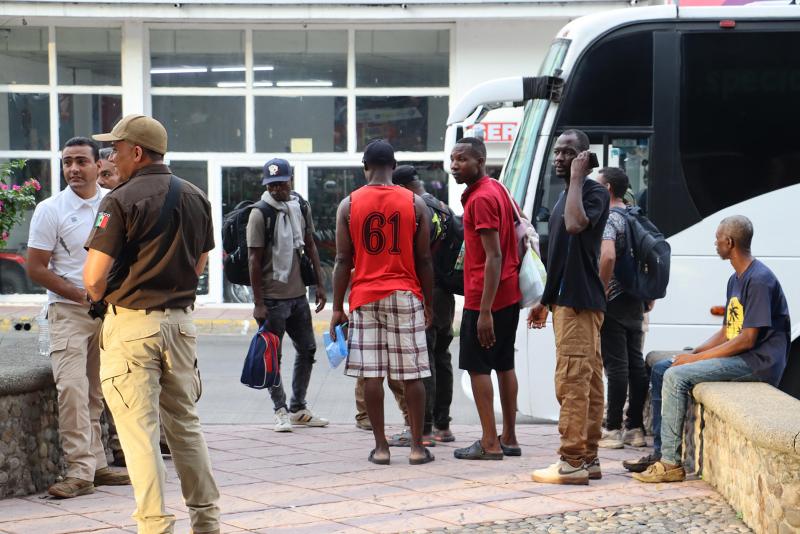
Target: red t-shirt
[(382, 227), (487, 206)]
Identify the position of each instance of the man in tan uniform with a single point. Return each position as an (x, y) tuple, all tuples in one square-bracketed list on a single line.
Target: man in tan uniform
[(155, 231)]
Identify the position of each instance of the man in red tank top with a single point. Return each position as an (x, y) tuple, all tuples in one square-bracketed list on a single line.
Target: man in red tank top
[(383, 236)]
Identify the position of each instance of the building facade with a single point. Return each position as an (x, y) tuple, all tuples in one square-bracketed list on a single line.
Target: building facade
[(239, 82)]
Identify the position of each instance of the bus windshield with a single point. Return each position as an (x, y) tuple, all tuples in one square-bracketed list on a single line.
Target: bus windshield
[(517, 169)]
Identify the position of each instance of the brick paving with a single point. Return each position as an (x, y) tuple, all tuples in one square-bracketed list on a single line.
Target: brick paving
[(318, 481)]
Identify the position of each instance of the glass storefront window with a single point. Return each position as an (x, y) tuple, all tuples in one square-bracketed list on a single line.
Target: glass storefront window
[(291, 58), (84, 115), (301, 124), (403, 58), (12, 259), (238, 184), (195, 172), (197, 58), (88, 56), (327, 186), (24, 121), (433, 177), (202, 123), (23, 55), (409, 123)]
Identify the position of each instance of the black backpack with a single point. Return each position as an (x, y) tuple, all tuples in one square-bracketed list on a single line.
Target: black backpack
[(643, 270), (446, 246), (236, 263)]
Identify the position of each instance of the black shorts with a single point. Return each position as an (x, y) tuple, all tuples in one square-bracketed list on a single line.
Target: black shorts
[(473, 357)]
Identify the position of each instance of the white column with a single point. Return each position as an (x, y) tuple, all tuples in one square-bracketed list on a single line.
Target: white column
[(135, 73)]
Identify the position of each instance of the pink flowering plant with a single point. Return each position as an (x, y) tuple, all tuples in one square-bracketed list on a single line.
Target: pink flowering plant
[(14, 199)]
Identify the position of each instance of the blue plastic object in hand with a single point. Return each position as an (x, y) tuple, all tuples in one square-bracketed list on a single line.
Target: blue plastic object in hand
[(337, 350)]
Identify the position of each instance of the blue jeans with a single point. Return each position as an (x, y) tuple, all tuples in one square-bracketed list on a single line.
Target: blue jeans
[(674, 385), (293, 317)]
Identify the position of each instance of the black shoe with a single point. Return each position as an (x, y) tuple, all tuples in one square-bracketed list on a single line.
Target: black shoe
[(119, 459), (641, 465)]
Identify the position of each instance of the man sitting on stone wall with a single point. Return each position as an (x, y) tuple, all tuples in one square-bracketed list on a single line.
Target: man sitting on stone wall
[(752, 345)]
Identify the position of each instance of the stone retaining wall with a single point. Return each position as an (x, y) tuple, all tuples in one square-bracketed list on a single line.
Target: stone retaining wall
[(746, 443), (30, 453), (30, 447)]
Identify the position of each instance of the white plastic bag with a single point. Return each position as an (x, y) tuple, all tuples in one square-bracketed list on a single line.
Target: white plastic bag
[(532, 277)]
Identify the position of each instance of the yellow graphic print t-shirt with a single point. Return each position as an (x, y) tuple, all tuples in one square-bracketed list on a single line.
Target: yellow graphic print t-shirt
[(734, 318)]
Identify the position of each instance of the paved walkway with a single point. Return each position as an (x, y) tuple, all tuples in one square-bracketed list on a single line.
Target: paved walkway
[(318, 481)]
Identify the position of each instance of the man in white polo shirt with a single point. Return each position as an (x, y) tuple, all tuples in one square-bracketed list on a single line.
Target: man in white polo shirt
[(58, 231)]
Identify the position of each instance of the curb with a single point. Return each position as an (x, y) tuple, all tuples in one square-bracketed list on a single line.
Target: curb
[(204, 326)]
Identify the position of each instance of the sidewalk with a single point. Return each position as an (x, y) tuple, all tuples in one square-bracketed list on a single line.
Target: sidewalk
[(319, 481)]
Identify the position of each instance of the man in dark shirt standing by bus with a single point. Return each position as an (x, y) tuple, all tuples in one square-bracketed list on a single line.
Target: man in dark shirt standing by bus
[(382, 235), (439, 386), (491, 299), (577, 297), (148, 351)]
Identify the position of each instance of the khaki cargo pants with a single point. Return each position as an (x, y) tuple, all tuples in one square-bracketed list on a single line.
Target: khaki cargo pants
[(579, 382), (75, 357), (148, 364)]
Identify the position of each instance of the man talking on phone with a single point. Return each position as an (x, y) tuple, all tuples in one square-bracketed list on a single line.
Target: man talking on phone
[(576, 295)]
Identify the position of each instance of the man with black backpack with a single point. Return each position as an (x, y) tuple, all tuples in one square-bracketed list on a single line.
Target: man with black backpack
[(447, 234), (283, 260), (621, 334)]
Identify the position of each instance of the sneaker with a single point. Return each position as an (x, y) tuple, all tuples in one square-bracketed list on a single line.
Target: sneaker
[(282, 423), (661, 472), (108, 477), (363, 424), (304, 417), (71, 487), (634, 437), (612, 439), (562, 472), (640, 465), (593, 468)]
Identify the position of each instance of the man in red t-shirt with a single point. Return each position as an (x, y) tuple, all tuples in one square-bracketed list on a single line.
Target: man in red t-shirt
[(491, 299), (383, 236)]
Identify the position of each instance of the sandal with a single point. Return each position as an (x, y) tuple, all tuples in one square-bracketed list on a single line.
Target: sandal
[(444, 436), (425, 460), (377, 461), (403, 439), (476, 452), (509, 451)]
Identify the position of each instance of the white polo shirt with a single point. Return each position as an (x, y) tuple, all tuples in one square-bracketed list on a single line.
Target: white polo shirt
[(61, 225)]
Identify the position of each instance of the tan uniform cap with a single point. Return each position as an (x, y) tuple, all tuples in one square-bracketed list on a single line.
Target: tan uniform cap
[(139, 130)]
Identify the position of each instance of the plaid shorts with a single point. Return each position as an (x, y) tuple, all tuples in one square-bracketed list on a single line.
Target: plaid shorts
[(388, 337)]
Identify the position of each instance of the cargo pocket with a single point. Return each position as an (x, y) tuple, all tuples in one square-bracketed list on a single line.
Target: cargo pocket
[(188, 331), (111, 376), (57, 344)]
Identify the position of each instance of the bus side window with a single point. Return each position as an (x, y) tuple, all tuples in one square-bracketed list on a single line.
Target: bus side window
[(739, 115)]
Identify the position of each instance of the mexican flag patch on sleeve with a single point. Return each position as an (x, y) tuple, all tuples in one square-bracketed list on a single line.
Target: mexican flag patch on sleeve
[(102, 219)]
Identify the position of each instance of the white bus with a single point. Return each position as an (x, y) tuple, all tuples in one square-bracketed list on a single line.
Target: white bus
[(701, 107)]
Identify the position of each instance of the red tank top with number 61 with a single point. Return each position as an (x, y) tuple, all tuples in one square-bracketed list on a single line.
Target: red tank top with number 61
[(382, 228)]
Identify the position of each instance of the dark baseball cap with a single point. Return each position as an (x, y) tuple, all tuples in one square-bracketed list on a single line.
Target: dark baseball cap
[(379, 152), (276, 170), (404, 174)]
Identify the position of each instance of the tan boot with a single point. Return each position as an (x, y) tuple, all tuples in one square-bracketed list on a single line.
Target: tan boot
[(661, 472), (107, 477), (71, 487)]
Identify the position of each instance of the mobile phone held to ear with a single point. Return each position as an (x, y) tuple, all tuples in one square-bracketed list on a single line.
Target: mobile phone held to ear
[(593, 163)]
